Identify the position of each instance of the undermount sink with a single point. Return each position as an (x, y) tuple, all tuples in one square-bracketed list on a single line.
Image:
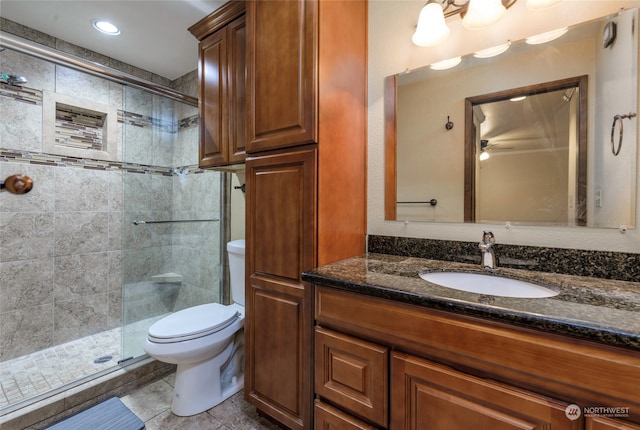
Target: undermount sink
[(487, 284)]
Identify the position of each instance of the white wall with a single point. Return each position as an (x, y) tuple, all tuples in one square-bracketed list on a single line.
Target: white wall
[(391, 24), (611, 173)]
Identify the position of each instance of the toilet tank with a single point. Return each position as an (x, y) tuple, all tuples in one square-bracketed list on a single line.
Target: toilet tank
[(235, 249)]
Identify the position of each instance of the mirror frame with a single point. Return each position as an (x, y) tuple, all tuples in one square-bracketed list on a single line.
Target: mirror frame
[(581, 82), (391, 144)]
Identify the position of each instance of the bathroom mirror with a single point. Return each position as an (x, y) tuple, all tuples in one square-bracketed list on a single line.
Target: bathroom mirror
[(550, 161)]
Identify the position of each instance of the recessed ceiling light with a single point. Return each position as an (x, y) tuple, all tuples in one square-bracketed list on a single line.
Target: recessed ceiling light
[(106, 27)]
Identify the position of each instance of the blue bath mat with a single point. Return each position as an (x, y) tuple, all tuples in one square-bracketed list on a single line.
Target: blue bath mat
[(111, 414)]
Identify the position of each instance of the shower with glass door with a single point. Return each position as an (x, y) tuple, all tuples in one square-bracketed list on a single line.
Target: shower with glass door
[(120, 227)]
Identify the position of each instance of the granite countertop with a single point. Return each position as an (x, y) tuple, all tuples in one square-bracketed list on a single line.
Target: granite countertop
[(600, 310)]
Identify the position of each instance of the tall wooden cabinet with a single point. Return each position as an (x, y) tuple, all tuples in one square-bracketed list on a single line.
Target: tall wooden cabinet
[(222, 90), (306, 183)]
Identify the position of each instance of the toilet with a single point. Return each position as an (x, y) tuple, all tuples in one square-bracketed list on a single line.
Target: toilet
[(207, 344)]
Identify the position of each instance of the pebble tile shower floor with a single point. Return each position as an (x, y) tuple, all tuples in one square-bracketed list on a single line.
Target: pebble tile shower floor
[(36, 373)]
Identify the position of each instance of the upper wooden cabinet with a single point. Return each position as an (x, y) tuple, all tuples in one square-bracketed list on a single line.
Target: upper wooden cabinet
[(222, 91), (306, 71), (282, 74)]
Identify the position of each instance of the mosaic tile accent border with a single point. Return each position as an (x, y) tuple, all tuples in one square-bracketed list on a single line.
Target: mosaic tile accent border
[(21, 94), (34, 96), (90, 139), (143, 121), (7, 155)]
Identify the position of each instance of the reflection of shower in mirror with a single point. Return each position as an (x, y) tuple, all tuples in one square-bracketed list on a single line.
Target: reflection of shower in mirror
[(13, 79)]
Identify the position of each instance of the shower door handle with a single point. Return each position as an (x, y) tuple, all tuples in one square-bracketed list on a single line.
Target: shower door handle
[(17, 184)]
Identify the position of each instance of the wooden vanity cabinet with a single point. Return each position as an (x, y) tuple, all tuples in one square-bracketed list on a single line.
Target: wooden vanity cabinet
[(306, 184), (352, 373), (426, 395), (604, 423), (450, 372), (222, 85), (329, 418)]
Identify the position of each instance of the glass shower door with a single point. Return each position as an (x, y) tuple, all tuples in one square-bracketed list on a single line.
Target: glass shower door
[(171, 210)]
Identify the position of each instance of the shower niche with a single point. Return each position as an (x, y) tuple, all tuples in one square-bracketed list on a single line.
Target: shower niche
[(79, 128)]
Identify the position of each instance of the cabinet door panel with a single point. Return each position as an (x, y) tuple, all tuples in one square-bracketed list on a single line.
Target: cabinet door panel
[(213, 74), (352, 373), (276, 346), (426, 395), (281, 84), (281, 238), (281, 213), (603, 423), (237, 69), (330, 418)]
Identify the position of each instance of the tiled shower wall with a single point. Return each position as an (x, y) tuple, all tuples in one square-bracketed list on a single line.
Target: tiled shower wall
[(69, 253)]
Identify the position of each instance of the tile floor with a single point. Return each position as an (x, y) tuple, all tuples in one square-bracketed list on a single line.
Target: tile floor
[(152, 404), (24, 377)]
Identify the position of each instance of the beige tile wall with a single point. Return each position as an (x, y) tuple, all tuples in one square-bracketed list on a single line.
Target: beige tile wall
[(68, 247)]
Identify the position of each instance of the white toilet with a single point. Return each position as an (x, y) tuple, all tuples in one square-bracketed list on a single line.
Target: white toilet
[(207, 344)]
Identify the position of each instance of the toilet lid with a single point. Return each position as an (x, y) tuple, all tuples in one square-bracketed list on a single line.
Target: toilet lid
[(194, 322)]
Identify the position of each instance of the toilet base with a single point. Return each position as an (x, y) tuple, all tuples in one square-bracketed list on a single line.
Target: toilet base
[(198, 386)]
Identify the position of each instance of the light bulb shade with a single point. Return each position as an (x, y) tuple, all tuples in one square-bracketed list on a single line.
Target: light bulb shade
[(484, 155), (482, 13), (446, 64), (541, 4), (431, 28), (493, 51), (546, 37)]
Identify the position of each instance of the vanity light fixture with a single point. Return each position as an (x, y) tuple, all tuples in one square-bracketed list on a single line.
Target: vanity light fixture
[(517, 99), (492, 52), (546, 37), (476, 14), (541, 4), (431, 29), (106, 27), (483, 13), (446, 64)]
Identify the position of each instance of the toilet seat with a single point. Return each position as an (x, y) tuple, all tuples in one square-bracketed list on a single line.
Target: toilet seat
[(193, 323)]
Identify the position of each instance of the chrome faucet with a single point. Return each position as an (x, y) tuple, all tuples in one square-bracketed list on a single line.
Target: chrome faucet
[(487, 255)]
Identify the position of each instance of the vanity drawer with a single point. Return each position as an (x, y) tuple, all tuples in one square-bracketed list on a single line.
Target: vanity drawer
[(603, 423), (328, 417), (353, 374)]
